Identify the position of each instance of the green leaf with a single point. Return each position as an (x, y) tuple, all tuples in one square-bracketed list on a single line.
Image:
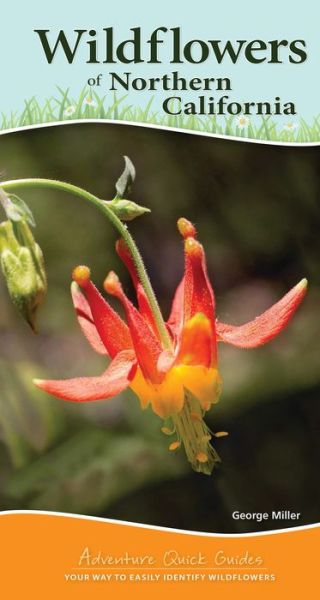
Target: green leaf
[(16, 209), (125, 181)]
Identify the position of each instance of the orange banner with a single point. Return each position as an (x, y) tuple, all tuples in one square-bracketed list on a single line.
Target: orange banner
[(52, 555)]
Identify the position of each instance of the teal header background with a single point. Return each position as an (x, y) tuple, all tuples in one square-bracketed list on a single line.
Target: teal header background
[(26, 73)]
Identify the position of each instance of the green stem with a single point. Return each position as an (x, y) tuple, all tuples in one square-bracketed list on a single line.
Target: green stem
[(15, 184)]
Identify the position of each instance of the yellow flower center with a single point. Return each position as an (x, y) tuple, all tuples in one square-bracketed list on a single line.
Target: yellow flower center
[(182, 397), (167, 397)]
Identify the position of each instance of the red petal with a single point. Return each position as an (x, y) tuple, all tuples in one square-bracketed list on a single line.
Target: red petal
[(145, 342), (85, 319), (175, 320), (198, 293), (112, 330), (266, 326), (201, 296), (143, 302), (114, 380)]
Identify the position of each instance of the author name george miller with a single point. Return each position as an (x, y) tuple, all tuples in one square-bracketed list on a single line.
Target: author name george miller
[(275, 515)]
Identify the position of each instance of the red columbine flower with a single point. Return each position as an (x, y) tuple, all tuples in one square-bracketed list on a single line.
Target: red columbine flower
[(180, 383)]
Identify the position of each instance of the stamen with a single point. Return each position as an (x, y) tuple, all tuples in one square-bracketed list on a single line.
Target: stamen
[(195, 436), (220, 434), (202, 457), (167, 431), (186, 228), (81, 275), (175, 445), (196, 417)]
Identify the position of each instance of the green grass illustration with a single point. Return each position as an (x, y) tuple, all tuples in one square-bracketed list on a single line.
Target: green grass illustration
[(89, 105)]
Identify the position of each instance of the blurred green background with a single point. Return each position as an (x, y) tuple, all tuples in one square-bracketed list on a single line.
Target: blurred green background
[(256, 208)]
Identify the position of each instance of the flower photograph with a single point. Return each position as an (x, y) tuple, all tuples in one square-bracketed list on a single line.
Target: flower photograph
[(159, 326)]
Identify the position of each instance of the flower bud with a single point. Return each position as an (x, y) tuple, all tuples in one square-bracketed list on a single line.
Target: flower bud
[(22, 265), (126, 210)]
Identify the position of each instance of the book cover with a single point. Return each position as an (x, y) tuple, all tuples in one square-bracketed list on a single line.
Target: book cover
[(159, 300)]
